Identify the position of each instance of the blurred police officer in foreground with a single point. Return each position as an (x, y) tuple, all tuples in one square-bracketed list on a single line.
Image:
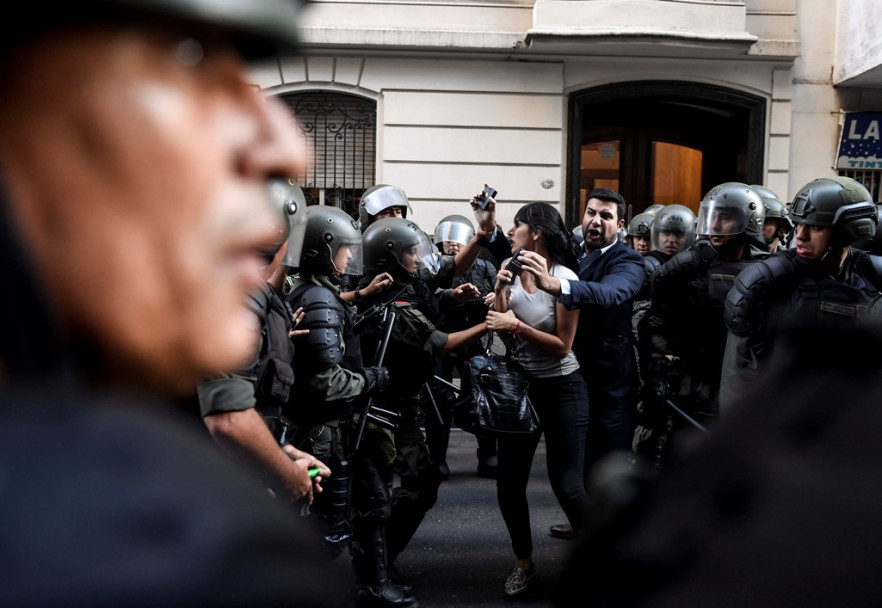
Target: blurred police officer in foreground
[(135, 157)]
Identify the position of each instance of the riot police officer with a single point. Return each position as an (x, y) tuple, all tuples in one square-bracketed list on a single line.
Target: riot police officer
[(231, 404), (638, 235), (683, 330), (476, 287), (777, 225), (401, 248), (133, 221), (821, 281), (331, 383)]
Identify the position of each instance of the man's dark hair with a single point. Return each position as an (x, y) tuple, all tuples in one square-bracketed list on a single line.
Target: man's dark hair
[(609, 196)]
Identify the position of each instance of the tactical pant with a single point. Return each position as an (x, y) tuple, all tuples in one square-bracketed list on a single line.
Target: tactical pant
[(419, 481)]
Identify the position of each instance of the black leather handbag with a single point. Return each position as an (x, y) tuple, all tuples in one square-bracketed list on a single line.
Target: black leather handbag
[(493, 397)]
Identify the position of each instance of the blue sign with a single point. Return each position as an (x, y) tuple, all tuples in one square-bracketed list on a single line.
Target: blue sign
[(860, 146)]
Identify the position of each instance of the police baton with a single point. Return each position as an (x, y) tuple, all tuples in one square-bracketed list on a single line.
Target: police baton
[(382, 417), (686, 416)]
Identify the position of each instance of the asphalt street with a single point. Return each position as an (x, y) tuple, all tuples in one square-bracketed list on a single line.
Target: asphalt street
[(461, 555)]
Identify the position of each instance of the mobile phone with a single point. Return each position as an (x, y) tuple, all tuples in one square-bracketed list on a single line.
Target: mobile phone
[(514, 266), (313, 472), (483, 198)]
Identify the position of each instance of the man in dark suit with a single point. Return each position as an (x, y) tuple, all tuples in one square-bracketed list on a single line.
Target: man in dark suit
[(610, 275)]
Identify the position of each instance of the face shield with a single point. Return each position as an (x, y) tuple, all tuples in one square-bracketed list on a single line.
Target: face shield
[(455, 229), (421, 258), (349, 258), (721, 218), (293, 204)]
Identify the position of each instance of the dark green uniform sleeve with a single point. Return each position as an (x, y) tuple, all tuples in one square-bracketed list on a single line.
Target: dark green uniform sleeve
[(232, 393)]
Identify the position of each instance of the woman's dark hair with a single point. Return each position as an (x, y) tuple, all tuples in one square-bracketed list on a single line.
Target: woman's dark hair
[(560, 242)]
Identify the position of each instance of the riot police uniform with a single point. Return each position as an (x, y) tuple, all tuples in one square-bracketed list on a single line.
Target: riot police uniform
[(456, 316), (399, 247), (331, 386), (789, 289), (683, 328)]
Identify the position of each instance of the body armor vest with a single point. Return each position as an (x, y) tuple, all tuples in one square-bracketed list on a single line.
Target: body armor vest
[(273, 370)]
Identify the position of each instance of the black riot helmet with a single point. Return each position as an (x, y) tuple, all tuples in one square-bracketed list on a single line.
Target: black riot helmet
[(874, 244), (840, 202), (732, 208), (398, 246), (379, 197), (325, 232)]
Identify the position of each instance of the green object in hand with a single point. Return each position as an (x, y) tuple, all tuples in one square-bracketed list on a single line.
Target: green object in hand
[(313, 472)]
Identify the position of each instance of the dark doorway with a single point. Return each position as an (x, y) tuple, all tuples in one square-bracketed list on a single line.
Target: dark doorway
[(661, 142)]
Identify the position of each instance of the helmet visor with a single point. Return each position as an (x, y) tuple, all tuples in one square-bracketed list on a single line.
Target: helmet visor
[(721, 218), (348, 259), (455, 232), (421, 258)]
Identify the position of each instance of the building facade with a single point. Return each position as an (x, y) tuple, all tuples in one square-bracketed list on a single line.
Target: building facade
[(545, 99)]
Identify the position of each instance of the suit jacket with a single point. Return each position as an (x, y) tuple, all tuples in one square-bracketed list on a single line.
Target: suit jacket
[(604, 342)]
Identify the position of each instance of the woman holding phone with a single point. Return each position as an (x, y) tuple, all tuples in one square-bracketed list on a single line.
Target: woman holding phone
[(542, 332)]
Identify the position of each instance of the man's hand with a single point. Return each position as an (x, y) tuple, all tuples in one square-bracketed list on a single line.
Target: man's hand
[(301, 486), (297, 317), (501, 321), (464, 292), (378, 284), (537, 265)]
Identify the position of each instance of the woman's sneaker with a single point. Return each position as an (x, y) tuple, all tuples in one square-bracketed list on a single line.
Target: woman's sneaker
[(519, 581)]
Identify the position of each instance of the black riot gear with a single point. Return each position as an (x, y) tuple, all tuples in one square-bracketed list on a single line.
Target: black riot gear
[(326, 231), (840, 202), (399, 247)]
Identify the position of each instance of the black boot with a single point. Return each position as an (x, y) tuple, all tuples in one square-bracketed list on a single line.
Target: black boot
[(373, 587), (383, 595)]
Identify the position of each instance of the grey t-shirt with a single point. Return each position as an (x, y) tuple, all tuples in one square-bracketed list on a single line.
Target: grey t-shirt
[(538, 311)]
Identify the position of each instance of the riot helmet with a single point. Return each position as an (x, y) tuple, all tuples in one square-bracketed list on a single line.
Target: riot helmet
[(398, 246), (454, 228), (840, 202), (326, 231), (732, 208), (776, 210), (257, 28), (641, 225), (379, 197), (673, 221), (874, 244), (654, 208)]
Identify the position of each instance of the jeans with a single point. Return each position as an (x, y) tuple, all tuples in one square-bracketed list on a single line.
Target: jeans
[(561, 403)]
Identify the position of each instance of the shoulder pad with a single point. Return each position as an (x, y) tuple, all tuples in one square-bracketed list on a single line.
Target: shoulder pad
[(749, 296), (690, 260), (324, 317)]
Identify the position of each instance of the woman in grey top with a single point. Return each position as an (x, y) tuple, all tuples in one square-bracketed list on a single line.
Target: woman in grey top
[(542, 330)]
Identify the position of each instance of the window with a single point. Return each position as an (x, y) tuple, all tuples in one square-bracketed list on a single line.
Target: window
[(341, 132)]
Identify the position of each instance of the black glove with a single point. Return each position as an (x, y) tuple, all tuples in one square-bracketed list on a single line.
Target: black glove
[(376, 380)]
